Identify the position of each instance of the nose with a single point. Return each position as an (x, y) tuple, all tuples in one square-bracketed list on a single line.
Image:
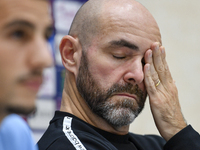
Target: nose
[(134, 73), (40, 55)]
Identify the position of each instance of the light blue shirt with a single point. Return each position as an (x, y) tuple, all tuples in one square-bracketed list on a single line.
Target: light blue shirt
[(15, 134)]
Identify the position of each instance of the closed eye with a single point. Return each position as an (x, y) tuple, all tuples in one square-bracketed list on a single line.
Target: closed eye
[(119, 57)]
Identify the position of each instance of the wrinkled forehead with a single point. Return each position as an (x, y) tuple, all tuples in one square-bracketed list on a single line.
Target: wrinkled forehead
[(131, 18), (24, 9)]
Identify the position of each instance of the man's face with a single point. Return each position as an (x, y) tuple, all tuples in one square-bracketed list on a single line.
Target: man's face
[(123, 110), (110, 77), (25, 26)]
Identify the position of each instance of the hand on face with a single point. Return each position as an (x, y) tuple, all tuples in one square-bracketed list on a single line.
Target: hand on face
[(163, 93)]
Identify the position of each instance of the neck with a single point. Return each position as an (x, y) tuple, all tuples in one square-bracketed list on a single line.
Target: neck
[(73, 103)]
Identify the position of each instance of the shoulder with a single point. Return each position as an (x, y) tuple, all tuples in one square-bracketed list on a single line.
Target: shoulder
[(16, 131), (15, 125), (13, 120), (69, 132)]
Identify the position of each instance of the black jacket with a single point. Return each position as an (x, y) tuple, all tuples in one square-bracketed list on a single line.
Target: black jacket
[(67, 132)]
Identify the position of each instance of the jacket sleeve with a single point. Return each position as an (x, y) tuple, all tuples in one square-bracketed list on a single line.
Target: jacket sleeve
[(186, 139)]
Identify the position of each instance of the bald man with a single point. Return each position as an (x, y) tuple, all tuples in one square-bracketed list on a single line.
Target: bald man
[(113, 57)]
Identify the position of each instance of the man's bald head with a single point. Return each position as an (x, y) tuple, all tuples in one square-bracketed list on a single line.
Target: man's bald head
[(95, 15), (85, 23)]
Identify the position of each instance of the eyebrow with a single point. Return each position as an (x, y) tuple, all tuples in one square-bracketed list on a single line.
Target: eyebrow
[(19, 23), (124, 43)]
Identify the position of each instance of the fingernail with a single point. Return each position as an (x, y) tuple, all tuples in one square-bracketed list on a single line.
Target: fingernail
[(148, 67), (163, 50), (150, 54), (157, 47)]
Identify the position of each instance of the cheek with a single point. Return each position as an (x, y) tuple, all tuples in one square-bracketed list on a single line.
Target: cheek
[(10, 70), (104, 73), (6, 85), (5, 72)]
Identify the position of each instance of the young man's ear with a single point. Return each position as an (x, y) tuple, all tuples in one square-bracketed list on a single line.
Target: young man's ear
[(70, 51)]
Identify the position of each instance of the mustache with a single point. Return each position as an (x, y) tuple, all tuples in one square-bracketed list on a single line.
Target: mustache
[(126, 88), (32, 74)]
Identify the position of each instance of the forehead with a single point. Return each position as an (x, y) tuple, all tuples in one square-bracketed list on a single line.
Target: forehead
[(34, 11), (131, 22)]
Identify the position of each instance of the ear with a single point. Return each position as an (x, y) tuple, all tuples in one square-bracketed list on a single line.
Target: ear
[(70, 51)]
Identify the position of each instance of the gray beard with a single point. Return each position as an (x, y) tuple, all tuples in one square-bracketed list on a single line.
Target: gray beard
[(118, 113)]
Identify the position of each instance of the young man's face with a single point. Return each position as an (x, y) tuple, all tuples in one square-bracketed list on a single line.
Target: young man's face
[(25, 26)]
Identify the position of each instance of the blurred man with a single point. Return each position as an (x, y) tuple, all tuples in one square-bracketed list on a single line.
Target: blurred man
[(114, 58), (25, 27)]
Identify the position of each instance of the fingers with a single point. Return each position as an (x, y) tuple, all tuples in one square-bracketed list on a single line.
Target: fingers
[(152, 71), (163, 97), (158, 66), (150, 84), (158, 61), (167, 74)]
